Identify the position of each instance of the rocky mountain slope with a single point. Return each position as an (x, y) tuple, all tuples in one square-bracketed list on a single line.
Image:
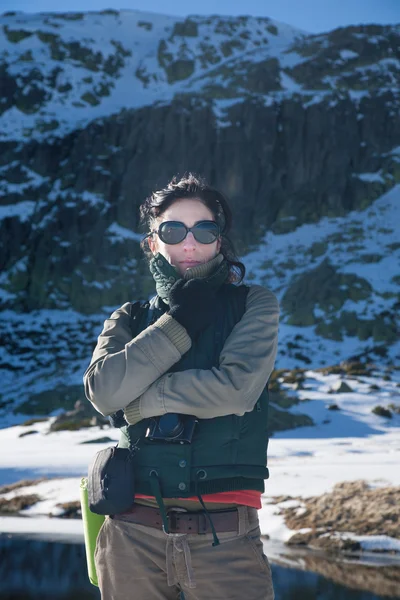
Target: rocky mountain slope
[(301, 131)]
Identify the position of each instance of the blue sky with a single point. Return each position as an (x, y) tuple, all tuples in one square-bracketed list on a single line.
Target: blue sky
[(311, 15)]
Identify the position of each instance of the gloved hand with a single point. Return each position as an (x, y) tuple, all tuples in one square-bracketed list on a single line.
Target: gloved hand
[(192, 304)]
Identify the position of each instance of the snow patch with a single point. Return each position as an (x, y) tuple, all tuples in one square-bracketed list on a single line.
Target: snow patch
[(22, 210), (120, 233), (348, 54)]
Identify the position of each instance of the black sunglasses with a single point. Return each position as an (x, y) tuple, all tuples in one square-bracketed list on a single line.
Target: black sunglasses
[(174, 232)]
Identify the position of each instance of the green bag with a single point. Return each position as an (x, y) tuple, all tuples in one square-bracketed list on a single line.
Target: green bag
[(91, 527)]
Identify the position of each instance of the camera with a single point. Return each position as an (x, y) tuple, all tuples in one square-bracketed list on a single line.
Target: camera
[(173, 428)]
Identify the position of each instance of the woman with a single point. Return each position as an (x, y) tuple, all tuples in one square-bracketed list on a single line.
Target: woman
[(192, 385)]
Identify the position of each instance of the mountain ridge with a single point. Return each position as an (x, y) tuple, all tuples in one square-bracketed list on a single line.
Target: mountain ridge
[(301, 132)]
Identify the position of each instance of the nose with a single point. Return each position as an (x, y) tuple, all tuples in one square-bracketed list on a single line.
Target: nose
[(189, 241)]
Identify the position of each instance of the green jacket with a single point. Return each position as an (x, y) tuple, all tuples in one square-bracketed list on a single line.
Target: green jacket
[(227, 453)]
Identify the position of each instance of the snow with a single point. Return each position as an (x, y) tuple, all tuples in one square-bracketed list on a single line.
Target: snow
[(288, 83), (6, 296), (355, 444), (357, 95), (374, 229), (90, 198), (52, 490), (43, 317), (96, 32), (220, 109), (348, 54), (272, 524), (316, 98), (119, 233), (379, 66), (376, 543), (370, 177), (351, 443), (22, 210), (310, 466), (66, 530), (140, 80), (395, 152)]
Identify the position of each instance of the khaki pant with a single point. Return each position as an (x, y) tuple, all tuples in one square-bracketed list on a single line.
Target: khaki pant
[(136, 562)]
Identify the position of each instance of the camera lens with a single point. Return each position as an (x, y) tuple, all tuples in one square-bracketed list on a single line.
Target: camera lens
[(170, 425)]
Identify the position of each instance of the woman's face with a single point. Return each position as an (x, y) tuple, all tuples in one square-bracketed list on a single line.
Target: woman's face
[(189, 252)]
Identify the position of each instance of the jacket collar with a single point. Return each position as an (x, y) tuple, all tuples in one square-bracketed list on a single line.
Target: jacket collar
[(165, 275)]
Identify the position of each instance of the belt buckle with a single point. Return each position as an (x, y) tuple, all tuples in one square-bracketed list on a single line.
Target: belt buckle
[(172, 520)]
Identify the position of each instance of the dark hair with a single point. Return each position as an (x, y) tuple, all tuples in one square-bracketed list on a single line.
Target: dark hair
[(193, 186)]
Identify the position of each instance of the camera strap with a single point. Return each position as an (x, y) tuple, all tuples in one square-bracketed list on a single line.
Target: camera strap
[(137, 310), (151, 311)]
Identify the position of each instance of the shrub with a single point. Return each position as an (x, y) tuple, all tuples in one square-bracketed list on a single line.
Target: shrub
[(18, 503), (73, 424), (16, 35), (382, 412), (30, 422), (186, 28), (72, 510), (145, 25), (26, 56), (90, 99)]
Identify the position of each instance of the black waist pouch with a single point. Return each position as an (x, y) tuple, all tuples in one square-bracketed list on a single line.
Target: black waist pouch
[(111, 488)]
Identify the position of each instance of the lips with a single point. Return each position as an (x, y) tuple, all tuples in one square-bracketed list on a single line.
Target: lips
[(190, 262)]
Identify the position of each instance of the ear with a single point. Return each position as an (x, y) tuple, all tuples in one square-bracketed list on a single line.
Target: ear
[(219, 244), (152, 244)]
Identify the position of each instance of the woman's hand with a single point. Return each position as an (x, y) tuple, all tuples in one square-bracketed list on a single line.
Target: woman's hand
[(192, 304)]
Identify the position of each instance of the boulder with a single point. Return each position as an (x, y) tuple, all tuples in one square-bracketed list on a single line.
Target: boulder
[(341, 387), (82, 415)]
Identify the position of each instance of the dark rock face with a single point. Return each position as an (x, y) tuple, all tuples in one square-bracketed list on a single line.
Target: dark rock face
[(285, 160), (8, 87)]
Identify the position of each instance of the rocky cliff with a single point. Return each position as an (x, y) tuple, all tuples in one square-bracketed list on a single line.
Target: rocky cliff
[(98, 109)]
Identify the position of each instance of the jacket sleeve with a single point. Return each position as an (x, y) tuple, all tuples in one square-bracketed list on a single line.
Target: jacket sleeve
[(122, 368), (246, 362)]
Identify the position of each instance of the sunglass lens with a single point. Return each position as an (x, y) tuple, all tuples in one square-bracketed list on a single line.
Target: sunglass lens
[(172, 232), (206, 232)]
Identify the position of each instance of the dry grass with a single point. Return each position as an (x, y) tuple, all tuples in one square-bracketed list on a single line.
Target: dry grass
[(4, 489), (72, 510), (351, 507), (18, 503)]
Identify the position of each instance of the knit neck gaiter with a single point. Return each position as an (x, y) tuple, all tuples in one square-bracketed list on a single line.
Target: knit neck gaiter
[(165, 275)]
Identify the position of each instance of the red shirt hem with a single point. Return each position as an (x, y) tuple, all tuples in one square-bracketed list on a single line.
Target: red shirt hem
[(245, 497)]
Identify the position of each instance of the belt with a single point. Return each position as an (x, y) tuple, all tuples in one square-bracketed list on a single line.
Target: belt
[(182, 522)]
